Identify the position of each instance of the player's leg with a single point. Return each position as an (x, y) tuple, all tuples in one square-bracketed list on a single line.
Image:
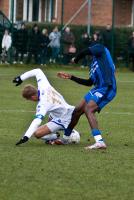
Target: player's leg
[(48, 132), (90, 110), (42, 131), (96, 100), (93, 100), (78, 111)]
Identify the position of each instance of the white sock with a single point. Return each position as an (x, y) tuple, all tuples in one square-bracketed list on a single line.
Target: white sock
[(98, 138)]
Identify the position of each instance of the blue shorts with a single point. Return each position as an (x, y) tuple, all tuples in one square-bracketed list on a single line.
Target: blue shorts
[(101, 96)]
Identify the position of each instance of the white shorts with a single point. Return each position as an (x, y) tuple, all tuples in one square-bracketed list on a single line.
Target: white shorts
[(53, 127)]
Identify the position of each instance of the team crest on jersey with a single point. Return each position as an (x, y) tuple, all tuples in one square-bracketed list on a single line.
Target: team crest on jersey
[(98, 94)]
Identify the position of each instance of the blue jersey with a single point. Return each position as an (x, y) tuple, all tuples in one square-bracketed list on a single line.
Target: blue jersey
[(102, 69)]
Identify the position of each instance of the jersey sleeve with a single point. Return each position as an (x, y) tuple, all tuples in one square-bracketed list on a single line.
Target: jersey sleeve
[(42, 80), (87, 82), (81, 55), (97, 50), (41, 111)]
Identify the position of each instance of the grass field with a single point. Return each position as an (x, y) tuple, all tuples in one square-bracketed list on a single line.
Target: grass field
[(36, 171)]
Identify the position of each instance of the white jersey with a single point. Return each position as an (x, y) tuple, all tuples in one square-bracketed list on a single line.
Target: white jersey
[(50, 101)]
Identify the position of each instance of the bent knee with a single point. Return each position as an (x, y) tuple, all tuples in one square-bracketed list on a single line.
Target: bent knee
[(37, 134)]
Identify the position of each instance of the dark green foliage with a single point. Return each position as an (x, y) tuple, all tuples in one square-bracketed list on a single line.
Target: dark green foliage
[(121, 36)]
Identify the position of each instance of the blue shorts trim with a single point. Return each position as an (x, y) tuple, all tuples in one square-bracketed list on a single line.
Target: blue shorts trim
[(100, 96), (58, 124)]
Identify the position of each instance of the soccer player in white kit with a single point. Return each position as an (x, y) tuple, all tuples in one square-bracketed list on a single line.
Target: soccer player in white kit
[(49, 102)]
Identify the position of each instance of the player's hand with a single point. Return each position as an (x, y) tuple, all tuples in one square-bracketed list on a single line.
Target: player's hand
[(17, 80), (22, 140), (64, 75)]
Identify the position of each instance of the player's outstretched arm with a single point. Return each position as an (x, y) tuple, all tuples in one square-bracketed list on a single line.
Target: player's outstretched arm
[(37, 73), (81, 55), (86, 82), (31, 130)]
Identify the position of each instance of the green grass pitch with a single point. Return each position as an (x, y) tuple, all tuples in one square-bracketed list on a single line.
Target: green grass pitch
[(36, 171)]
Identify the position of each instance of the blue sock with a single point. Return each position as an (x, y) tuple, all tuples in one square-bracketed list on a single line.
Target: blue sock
[(68, 132), (97, 135)]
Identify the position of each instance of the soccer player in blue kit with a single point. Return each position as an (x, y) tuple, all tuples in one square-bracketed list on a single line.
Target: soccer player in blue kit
[(102, 76)]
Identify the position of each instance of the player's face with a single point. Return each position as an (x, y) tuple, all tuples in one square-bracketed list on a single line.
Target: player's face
[(33, 98)]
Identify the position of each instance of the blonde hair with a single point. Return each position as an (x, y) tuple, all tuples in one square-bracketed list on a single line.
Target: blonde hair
[(29, 91)]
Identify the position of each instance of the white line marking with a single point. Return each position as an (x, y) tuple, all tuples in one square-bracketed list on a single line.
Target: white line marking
[(119, 113), (31, 111), (125, 81), (18, 111), (119, 81)]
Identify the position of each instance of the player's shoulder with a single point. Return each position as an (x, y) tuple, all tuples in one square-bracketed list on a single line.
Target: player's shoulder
[(97, 49), (97, 46), (39, 70)]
